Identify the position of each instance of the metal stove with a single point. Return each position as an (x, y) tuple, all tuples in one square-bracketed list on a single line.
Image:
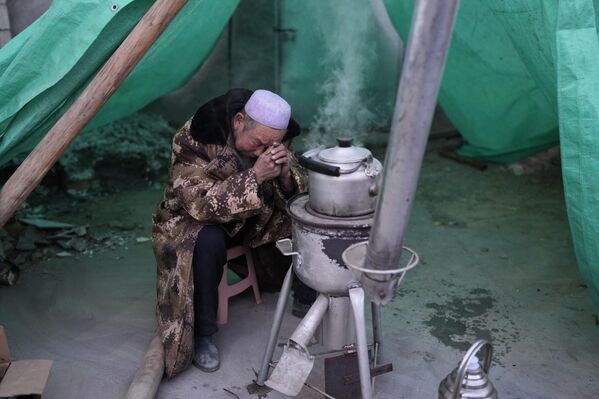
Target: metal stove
[(326, 249), (329, 248)]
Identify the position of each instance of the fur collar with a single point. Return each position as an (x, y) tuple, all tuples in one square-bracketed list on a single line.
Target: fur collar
[(211, 124)]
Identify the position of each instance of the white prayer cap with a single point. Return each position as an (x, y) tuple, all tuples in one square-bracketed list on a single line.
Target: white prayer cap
[(269, 109)]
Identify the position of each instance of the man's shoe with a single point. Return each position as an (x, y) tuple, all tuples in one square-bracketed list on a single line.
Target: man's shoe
[(299, 309), (206, 356)]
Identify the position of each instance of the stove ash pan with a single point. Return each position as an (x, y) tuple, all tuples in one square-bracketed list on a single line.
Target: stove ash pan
[(320, 242)]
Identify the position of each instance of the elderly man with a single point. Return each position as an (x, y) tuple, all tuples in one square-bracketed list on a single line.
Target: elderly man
[(230, 175)]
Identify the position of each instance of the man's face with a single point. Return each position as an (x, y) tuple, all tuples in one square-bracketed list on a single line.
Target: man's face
[(253, 139)]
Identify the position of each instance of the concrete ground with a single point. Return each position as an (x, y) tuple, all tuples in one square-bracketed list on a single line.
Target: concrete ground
[(497, 263)]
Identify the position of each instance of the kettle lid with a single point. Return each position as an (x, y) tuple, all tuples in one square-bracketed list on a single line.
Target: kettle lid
[(344, 152)]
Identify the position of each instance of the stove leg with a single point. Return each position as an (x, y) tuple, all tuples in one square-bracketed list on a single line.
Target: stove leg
[(276, 327), (356, 295), (377, 333)]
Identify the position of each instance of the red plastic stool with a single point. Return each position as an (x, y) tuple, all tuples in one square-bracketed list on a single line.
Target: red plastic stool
[(225, 291)]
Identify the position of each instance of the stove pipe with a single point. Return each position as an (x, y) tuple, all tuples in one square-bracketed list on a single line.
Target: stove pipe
[(429, 39)]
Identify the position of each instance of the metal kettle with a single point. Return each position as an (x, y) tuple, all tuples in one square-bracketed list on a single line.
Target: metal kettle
[(342, 179), (469, 379)]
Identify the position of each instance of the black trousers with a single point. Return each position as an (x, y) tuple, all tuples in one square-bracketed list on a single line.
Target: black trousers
[(209, 257)]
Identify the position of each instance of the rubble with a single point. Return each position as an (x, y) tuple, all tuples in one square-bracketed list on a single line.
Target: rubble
[(131, 151), (9, 274), (25, 241), (108, 158)]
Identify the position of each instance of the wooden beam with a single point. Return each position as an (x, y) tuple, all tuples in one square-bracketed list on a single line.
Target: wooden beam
[(147, 378), (110, 77)]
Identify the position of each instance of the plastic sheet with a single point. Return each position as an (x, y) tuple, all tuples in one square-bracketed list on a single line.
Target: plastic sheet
[(43, 69), (517, 70), (578, 98)]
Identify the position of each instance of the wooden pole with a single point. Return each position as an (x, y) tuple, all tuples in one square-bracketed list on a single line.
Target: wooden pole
[(147, 378), (110, 77)]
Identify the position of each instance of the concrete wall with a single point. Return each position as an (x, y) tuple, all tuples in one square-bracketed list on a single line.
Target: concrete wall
[(291, 54), (252, 45), (260, 48), (336, 68), (5, 32), (210, 81), (242, 57), (23, 12)]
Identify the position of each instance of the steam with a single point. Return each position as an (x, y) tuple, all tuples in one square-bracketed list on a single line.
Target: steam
[(347, 31)]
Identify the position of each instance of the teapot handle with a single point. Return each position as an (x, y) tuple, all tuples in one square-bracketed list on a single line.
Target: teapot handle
[(319, 167), (478, 345)]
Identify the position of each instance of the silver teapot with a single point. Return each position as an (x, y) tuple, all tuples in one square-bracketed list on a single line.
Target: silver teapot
[(470, 379), (342, 179)]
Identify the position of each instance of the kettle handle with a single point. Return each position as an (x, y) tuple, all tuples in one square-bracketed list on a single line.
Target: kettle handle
[(478, 345), (319, 167)]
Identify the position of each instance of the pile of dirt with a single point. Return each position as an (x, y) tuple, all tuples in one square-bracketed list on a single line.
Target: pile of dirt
[(115, 155), (132, 152)]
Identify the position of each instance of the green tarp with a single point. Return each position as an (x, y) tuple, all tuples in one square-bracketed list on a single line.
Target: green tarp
[(516, 71), (578, 99), (43, 69), (499, 83)]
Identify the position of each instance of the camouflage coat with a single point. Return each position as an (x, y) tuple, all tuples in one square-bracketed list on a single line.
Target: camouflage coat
[(207, 185)]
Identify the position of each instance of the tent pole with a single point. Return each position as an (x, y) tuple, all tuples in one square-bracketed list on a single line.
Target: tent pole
[(111, 76), (147, 378)]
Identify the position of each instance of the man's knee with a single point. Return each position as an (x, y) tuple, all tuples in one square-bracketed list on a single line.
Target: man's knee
[(211, 240)]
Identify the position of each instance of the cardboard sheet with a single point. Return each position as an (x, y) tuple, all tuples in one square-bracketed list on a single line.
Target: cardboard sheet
[(4, 353), (24, 377)]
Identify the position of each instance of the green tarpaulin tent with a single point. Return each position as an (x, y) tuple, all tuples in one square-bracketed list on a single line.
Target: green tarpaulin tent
[(517, 71), (520, 77), (45, 67)]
